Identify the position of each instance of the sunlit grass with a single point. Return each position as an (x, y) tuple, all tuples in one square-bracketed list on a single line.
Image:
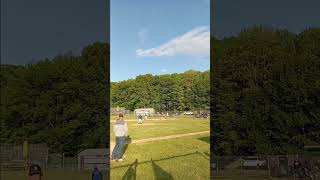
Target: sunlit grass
[(156, 128), (51, 175), (179, 158)]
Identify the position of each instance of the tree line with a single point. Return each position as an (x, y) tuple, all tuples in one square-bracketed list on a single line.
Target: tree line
[(62, 102), (186, 91), (265, 91)]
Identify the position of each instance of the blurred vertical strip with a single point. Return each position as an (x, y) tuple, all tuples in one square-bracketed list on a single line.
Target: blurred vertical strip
[(211, 89), (107, 77)]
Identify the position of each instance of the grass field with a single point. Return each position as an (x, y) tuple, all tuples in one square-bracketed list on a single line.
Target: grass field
[(50, 175), (155, 127), (245, 178), (177, 158)]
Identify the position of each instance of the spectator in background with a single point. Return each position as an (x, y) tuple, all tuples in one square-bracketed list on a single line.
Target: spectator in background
[(96, 173), (35, 172), (139, 119), (297, 167), (307, 170)]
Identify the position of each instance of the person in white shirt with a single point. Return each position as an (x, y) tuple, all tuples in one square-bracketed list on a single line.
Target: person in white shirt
[(121, 133)]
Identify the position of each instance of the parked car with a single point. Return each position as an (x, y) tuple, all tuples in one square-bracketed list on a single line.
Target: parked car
[(188, 113), (253, 162)]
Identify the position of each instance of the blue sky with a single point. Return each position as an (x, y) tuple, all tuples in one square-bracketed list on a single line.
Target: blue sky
[(158, 37), (35, 29)]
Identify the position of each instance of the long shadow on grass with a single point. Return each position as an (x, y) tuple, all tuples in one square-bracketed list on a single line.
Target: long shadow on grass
[(160, 173), (131, 173), (207, 157), (205, 139), (207, 154), (172, 157), (128, 141)]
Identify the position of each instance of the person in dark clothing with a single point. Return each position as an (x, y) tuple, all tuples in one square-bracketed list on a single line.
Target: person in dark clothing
[(307, 170), (140, 119), (297, 167), (35, 172), (96, 174)]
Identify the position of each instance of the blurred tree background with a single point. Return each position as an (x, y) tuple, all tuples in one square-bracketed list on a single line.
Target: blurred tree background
[(62, 102), (265, 91), (186, 91)]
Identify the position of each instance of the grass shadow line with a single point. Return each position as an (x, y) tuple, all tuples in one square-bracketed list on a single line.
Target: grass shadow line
[(207, 154), (205, 139), (131, 173), (204, 156), (172, 157), (159, 173)]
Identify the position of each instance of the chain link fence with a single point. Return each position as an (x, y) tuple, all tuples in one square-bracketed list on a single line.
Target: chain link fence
[(80, 164), (12, 159), (11, 156), (269, 166)]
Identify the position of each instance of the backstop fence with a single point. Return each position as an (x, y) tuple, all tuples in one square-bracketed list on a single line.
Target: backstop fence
[(87, 162), (12, 156), (269, 166), (12, 159)]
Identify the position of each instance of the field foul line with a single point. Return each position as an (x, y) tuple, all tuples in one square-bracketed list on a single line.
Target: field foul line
[(130, 120), (158, 119), (166, 137)]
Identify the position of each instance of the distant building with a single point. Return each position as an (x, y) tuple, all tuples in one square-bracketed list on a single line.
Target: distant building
[(88, 158), (145, 111)]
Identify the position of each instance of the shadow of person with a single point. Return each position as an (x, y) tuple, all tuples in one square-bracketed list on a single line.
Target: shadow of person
[(131, 173), (159, 173), (128, 141)]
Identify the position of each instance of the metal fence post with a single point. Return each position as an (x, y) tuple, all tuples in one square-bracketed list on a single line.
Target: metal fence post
[(269, 172), (62, 160), (217, 166), (241, 164)]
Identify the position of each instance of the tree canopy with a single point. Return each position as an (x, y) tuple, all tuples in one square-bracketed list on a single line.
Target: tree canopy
[(265, 91), (62, 102), (171, 92)]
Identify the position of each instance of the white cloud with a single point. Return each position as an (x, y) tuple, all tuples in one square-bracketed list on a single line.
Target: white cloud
[(164, 70), (194, 43), (143, 34)]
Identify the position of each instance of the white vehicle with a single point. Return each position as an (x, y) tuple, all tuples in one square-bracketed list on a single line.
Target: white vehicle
[(253, 162), (188, 113)]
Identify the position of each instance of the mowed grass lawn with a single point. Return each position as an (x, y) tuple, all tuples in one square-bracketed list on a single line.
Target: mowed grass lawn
[(178, 158), (246, 178), (154, 127), (50, 175)]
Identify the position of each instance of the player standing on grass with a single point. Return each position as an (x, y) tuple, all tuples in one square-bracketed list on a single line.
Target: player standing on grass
[(139, 119)]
